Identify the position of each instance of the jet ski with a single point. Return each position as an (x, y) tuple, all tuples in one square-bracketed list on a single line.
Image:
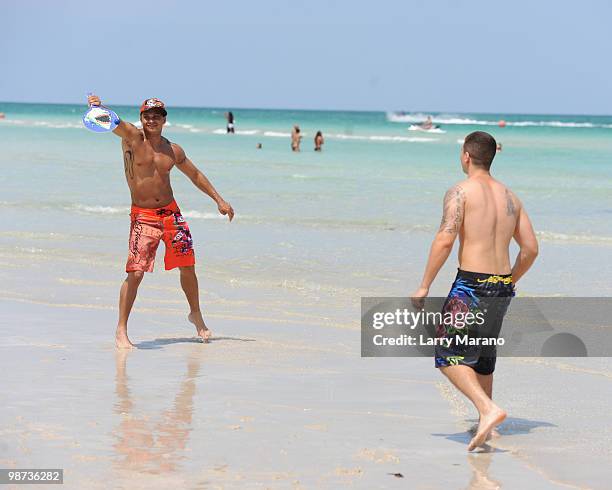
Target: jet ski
[(434, 128)]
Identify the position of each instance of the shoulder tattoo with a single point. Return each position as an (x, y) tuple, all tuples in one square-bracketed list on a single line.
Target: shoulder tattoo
[(452, 216), (510, 207)]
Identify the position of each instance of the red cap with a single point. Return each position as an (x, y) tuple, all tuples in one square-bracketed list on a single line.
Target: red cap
[(153, 104)]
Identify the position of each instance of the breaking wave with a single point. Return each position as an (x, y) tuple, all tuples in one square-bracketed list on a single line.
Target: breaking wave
[(396, 117)]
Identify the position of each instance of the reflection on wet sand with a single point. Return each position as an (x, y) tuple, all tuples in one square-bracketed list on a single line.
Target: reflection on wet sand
[(147, 445), (481, 480)]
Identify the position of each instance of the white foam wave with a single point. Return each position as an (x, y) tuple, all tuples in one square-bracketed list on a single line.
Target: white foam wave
[(456, 120), (62, 125), (414, 139), (46, 124), (341, 136), (419, 118), (564, 237), (124, 210), (460, 120), (556, 124), (381, 137), (277, 134), (405, 118), (246, 132), (13, 121), (200, 215), (82, 208)]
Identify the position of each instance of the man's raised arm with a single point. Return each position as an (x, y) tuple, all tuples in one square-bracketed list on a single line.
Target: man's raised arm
[(124, 130), (452, 219), (527, 241), (201, 181)]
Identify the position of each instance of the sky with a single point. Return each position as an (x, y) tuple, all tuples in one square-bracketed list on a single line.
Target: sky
[(542, 57)]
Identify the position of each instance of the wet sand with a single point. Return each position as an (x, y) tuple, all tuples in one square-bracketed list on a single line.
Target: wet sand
[(277, 405)]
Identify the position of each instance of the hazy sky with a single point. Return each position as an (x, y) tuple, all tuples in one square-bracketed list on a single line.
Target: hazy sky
[(445, 55)]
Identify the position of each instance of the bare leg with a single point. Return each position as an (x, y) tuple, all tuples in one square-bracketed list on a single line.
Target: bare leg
[(486, 383), (465, 380), (189, 283), (127, 295)]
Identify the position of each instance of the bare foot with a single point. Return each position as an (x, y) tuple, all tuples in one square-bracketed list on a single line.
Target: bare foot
[(488, 421), (203, 332), (122, 341)]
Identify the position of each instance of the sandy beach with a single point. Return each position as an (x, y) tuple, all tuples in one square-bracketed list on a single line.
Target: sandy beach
[(277, 405)]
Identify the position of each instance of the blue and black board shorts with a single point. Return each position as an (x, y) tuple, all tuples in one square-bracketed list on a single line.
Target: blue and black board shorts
[(487, 297)]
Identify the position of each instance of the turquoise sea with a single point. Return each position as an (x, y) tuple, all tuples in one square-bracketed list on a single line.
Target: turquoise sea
[(314, 231)]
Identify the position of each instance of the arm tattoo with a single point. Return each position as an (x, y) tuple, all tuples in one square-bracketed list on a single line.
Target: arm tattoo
[(128, 163), (510, 207), (452, 217)]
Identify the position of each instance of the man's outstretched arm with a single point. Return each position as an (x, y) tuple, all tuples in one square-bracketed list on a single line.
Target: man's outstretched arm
[(200, 181), (124, 130), (452, 219), (528, 243)]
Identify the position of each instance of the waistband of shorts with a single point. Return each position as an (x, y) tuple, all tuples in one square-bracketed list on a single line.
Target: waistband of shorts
[(485, 277), (166, 210)]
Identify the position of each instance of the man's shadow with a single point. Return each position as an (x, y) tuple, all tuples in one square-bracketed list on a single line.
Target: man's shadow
[(509, 427), (159, 343)]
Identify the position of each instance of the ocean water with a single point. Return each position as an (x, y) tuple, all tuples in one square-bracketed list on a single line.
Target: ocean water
[(313, 231)]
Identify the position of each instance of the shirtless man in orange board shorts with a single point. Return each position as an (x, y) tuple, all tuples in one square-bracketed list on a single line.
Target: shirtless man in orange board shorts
[(148, 159)]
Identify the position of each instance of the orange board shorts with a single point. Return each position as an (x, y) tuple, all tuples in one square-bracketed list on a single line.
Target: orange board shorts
[(148, 227)]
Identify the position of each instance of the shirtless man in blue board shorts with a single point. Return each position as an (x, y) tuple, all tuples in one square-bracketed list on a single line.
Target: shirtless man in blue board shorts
[(486, 215), (155, 216)]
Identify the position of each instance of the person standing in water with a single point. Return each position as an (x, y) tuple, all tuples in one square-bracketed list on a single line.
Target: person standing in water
[(485, 215), (319, 141), (296, 138), (230, 122), (148, 159)]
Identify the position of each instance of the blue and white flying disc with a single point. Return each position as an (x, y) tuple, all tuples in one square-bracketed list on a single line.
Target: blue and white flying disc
[(100, 119)]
